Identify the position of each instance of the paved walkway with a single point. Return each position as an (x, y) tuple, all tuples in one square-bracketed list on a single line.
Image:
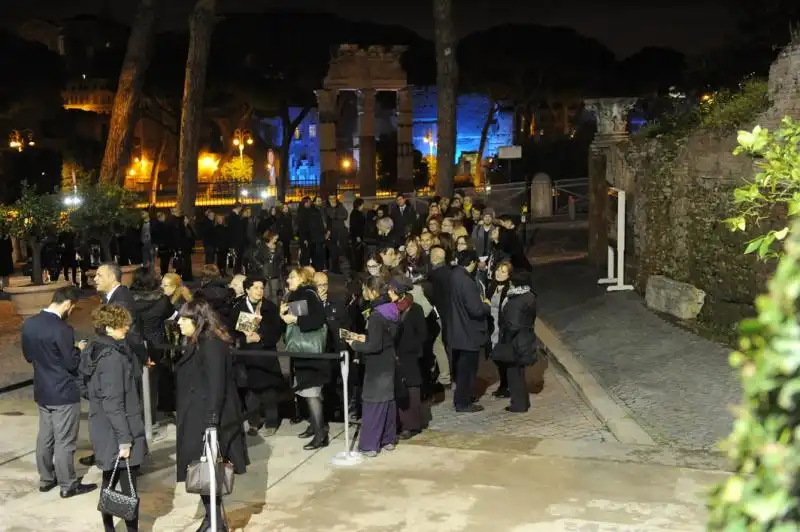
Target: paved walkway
[(440, 482), (676, 385)]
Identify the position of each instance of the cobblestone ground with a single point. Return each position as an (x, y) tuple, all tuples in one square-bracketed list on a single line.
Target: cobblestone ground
[(557, 412), (677, 385)]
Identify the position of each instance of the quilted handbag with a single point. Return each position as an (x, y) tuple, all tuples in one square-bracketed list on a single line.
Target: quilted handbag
[(116, 503), (198, 476)]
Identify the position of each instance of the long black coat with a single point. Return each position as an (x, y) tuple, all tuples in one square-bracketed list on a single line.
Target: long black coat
[(466, 319), (410, 345), (206, 396), (310, 372), (263, 372), (517, 317), (378, 352), (111, 373)]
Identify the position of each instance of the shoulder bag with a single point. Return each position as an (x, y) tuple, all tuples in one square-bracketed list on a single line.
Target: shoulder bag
[(198, 478), (116, 503), (297, 341)]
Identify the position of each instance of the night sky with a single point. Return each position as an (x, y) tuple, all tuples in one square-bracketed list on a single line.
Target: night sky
[(625, 26)]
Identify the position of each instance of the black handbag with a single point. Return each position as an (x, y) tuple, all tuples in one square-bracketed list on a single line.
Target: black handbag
[(504, 353), (198, 476), (116, 503)]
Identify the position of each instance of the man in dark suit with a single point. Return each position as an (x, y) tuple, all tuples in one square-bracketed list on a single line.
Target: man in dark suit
[(439, 277), (466, 329), (404, 217), (48, 343), (108, 281)]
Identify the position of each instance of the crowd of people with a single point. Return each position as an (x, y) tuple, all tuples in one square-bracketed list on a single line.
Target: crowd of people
[(428, 293)]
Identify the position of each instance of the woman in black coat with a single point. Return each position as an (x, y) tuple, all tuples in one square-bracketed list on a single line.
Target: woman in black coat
[(261, 376), (517, 317), (116, 425), (377, 351), (206, 394), (310, 374), (410, 346)]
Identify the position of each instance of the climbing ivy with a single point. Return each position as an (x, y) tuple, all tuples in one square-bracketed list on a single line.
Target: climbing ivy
[(764, 447)]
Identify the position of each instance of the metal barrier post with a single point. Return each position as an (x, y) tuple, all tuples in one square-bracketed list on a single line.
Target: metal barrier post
[(348, 457), (146, 402), (211, 448)]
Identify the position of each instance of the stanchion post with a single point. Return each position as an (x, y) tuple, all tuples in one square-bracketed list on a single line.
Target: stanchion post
[(348, 457), (211, 449), (620, 280), (610, 279), (146, 402)]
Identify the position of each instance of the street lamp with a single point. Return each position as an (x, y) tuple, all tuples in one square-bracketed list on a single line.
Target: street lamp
[(242, 137), (430, 142), (18, 140), (347, 164)]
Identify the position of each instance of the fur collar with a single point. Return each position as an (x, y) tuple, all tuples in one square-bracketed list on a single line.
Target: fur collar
[(518, 290)]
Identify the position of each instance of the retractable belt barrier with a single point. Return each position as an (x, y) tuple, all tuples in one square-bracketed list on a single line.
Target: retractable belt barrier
[(345, 458)]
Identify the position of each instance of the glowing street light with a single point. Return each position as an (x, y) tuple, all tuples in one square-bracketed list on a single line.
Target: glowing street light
[(242, 137), (19, 140), (244, 192), (430, 141), (347, 164)]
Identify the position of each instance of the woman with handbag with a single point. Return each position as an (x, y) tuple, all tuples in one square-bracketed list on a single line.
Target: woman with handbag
[(377, 347), (498, 290), (516, 346), (116, 423), (206, 398), (306, 332)]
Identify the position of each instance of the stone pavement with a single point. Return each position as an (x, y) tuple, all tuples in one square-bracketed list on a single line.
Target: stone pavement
[(676, 385), (442, 482)]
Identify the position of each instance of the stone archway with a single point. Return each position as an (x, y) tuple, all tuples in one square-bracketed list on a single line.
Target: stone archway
[(365, 71)]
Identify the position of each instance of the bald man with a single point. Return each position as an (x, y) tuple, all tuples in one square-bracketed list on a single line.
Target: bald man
[(439, 277)]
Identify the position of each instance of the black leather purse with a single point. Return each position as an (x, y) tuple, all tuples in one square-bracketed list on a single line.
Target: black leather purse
[(116, 503)]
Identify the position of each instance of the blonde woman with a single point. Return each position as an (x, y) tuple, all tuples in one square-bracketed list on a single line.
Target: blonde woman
[(176, 291)]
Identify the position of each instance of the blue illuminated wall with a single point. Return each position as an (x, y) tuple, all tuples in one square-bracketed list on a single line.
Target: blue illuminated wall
[(470, 116), (304, 159)]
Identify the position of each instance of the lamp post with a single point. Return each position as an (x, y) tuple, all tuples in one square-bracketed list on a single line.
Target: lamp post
[(430, 142), (242, 137), (19, 140)]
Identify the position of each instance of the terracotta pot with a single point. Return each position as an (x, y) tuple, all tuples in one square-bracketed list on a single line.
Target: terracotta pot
[(128, 272), (29, 299)]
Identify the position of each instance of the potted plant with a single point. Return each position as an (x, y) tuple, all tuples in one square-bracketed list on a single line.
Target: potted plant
[(34, 219), (99, 212)]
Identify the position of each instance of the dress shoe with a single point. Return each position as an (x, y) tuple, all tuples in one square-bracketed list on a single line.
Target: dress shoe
[(317, 443), (77, 489), (408, 434), (252, 431), (501, 393), (509, 409), (87, 461), (44, 488), (471, 409), (309, 432), (295, 420)]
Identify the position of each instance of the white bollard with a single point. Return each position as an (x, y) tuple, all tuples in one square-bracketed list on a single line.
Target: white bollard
[(347, 457), (609, 279), (146, 402)]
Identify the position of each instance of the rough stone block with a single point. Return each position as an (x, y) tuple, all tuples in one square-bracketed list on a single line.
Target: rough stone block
[(681, 300)]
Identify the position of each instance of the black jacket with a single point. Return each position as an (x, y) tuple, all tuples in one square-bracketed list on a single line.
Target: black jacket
[(153, 309), (466, 327), (269, 261), (236, 232), (206, 396), (517, 318), (410, 345), (48, 342), (358, 223), (439, 277), (405, 222), (111, 373), (263, 372), (310, 372), (379, 352)]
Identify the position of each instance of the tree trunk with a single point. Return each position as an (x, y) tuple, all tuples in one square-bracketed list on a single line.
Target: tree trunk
[(482, 146), (288, 126), (446, 82), (156, 164), (201, 26), (37, 274), (129, 89)]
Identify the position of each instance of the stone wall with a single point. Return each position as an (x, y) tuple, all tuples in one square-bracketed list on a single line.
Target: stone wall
[(682, 192)]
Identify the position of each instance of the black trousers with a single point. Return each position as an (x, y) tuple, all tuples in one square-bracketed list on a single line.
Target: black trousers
[(357, 256), (502, 371), (465, 365), (518, 387), (238, 267), (287, 248), (222, 260), (164, 258), (211, 254), (262, 408), (121, 483), (317, 255), (334, 254)]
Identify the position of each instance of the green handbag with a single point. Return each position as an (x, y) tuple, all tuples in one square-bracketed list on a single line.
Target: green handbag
[(297, 341)]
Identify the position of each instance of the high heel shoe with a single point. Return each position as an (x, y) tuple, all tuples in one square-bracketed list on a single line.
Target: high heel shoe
[(317, 443), (306, 433)]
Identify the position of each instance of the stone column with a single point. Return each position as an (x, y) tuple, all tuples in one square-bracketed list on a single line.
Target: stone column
[(329, 168), (366, 142), (612, 127), (405, 144)]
